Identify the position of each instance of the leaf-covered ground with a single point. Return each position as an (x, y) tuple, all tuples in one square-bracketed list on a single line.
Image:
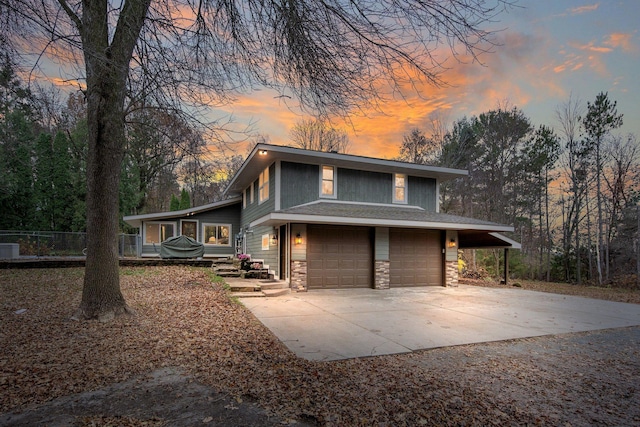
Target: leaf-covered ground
[(187, 324), (627, 292)]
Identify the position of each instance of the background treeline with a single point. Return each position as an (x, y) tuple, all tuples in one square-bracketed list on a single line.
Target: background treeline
[(43, 143), (572, 194), (571, 190)]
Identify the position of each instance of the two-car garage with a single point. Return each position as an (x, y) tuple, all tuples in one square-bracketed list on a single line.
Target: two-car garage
[(343, 257)]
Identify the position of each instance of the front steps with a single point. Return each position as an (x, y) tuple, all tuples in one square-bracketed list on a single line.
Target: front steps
[(225, 268), (243, 288)]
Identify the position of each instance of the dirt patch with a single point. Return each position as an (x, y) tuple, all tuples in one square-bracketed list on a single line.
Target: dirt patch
[(193, 356), (165, 397)]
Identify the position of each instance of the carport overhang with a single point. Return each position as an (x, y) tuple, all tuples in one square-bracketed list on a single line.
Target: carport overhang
[(473, 239)]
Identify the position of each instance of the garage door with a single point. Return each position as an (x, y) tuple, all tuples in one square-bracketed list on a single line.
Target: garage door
[(339, 257), (415, 257)]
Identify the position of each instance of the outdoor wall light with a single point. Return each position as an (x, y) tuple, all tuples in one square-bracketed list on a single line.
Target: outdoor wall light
[(452, 243), (262, 152), (298, 239), (274, 240)]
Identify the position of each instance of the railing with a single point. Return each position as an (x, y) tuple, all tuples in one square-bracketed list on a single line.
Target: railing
[(57, 243)]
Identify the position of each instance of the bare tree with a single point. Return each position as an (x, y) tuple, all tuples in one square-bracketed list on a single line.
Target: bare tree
[(575, 163), (331, 55), (602, 117), (319, 135), (620, 176)]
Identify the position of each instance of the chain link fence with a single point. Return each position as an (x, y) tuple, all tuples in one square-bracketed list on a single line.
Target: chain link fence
[(61, 244)]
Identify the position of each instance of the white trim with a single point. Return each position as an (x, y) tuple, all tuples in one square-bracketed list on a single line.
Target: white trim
[(277, 186), (437, 196), (215, 224), (347, 202), (279, 218), (513, 243), (334, 195)]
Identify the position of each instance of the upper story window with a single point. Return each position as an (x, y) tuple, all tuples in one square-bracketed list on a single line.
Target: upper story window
[(328, 182), (251, 193), (263, 185), (244, 198), (399, 188)]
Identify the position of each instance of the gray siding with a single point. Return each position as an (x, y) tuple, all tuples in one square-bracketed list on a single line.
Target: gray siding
[(363, 186), (422, 192), (300, 184), (382, 244), (224, 215), (256, 209), (299, 252), (254, 248)]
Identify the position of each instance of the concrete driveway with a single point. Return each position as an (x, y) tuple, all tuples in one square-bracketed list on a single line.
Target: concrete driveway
[(341, 324)]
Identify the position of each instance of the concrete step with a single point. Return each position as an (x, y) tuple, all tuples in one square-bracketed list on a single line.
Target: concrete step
[(273, 284), (246, 294), (228, 273), (244, 287), (275, 292)]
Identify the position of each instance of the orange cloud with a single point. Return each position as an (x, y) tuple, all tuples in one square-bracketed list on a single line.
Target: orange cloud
[(584, 9), (590, 47), (621, 40)]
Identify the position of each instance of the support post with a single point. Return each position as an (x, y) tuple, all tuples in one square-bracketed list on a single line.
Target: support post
[(506, 266)]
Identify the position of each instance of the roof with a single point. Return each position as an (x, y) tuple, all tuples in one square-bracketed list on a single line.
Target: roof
[(136, 220), (264, 155), (371, 214)]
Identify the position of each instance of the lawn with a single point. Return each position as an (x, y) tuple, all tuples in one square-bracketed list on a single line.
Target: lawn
[(186, 320)]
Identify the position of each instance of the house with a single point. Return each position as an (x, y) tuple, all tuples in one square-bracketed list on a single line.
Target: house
[(330, 220)]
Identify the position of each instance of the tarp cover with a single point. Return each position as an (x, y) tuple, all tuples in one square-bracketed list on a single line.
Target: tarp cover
[(181, 247)]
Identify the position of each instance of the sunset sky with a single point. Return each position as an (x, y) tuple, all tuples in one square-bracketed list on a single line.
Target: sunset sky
[(548, 50)]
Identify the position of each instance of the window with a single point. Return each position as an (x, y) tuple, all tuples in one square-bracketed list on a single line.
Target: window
[(157, 232), (328, 181), (244, 198), (400, 188), (216, 234), (189, 229), (263, 185), (251, 193)]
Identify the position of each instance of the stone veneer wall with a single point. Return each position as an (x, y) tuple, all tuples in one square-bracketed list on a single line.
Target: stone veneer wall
[(299, 276), (451, 273), (381, 279)]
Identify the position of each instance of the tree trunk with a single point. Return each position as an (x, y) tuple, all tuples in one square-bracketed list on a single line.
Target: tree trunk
[(599, 198), (101, 295), (578, 260), (107, 67), (590, 252), (548, 229)]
